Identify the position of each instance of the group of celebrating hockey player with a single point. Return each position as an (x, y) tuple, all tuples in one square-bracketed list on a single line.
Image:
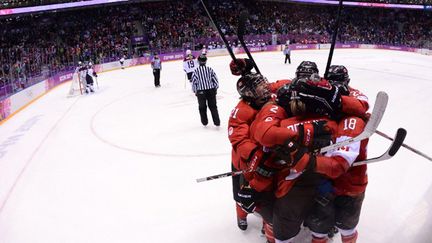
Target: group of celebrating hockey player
[(275, 130)]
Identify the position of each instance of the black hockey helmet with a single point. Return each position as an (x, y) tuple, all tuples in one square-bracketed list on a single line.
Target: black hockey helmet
[(305, 96), (202, 59), (338, 73), (254, 88), (306, 69), (338, 76)]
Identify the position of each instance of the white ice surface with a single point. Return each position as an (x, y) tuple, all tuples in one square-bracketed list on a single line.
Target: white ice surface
[(120, 165)]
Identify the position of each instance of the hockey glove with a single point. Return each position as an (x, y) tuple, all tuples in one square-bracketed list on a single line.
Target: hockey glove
[(319, 95), (241, 66), (344, 88), (290, 154), (260, 163), (314, 135), (247, 199)]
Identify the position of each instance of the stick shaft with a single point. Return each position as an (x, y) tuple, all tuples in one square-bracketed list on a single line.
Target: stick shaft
[(406, 146), (333, 43)]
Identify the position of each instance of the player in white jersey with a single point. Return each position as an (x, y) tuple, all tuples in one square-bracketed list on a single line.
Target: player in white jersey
[(189, 64), (122, 60), (204, 50), (90, 74)]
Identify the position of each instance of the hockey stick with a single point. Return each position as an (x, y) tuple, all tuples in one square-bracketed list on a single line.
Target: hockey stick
[(374, 120), (213, 177), (240, 34), (406, 146), (220, 32), (391, 151), (333, 43)]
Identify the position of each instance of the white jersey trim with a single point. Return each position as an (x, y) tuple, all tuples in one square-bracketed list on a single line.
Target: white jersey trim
[(349, 152)]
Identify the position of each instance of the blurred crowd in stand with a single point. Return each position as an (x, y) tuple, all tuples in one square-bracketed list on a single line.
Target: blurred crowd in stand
[(33, 47), (27, 3), (418, 2)]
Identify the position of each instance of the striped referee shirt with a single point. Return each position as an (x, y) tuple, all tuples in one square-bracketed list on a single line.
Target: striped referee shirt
[(204, 78)]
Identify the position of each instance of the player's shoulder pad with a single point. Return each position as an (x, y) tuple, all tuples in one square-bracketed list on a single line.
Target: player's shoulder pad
[(271, 109), (351, 126), (243, 112), (279, 83)]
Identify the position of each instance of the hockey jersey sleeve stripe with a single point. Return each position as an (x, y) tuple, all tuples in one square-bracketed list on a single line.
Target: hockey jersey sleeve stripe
[(349, 152)]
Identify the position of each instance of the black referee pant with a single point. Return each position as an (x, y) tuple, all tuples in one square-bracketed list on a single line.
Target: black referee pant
[(156, 74), (288, 57), (208, 98)]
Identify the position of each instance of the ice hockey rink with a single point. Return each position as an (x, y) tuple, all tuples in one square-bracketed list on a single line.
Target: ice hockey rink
[(119, 165)]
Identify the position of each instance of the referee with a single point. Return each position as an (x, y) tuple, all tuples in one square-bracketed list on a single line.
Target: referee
[(205, 85), (287, 53), (156, 65)]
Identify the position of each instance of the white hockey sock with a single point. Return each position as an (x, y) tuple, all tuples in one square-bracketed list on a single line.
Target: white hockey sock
[(291, 240), (347, 232), (319, 235)]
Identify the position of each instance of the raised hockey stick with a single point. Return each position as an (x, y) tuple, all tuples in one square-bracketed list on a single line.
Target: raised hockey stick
[(334, 37), (240, 34), (391, 151), (221, 34), (406, 146), (374, 120)]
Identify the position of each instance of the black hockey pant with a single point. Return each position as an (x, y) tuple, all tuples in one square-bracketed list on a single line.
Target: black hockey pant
[(89, 80), (291, 210)]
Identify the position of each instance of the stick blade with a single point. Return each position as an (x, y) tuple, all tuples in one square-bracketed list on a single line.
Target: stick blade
[(391, 151), (398, 141)]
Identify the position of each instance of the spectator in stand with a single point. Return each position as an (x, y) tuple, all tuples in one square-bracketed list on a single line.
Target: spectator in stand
[(48, 43)]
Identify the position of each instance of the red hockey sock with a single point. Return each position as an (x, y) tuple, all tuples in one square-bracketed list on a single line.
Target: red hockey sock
[(240, 212), (319, 240), (268, 229), (350, 238)]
